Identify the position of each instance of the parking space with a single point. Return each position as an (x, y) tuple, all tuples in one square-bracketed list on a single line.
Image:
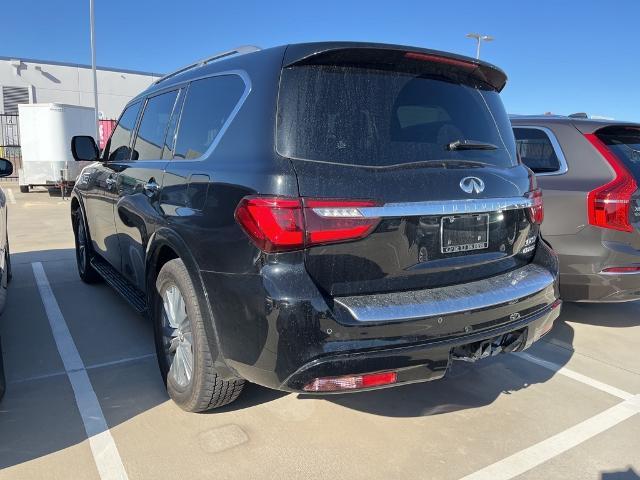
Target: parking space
[(569, 409)]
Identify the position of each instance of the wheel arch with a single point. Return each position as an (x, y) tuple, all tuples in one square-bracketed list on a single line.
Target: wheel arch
[(165, 245)]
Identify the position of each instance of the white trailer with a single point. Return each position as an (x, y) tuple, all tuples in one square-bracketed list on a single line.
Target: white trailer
[(45, 140)]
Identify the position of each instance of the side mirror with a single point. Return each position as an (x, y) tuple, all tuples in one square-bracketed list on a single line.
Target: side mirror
[(6, 167), (84, 149)]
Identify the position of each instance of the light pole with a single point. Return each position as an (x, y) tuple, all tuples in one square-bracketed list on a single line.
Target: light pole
[(479, 39), (93, 66)]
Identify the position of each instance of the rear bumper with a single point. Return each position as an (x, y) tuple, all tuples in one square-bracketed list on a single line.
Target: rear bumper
[(416, 363), (277, 329), (582, 262)]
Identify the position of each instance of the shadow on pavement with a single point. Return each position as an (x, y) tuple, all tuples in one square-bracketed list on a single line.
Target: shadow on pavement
[(628, 474), (625, 315)]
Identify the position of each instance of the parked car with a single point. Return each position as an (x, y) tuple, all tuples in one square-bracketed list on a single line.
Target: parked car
[(320, 217), (6, 169), (589, 172)]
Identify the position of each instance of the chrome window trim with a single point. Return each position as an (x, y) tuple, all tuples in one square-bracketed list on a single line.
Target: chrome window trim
[(442, 301), (564, 167), (447, 207), (186, 84)]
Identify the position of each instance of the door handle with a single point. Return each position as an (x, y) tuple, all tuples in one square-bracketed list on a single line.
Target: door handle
[(151, 188)]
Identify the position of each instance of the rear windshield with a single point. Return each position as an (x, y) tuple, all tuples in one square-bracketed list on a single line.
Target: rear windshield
[(379, 118), (625, 144)]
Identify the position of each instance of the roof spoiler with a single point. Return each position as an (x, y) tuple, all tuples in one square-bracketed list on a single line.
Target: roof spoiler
[(394, 57)]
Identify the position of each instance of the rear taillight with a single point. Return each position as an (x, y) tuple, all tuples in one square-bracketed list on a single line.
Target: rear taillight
[(351, 382), (608, 205), (277, 224), (536, 211)]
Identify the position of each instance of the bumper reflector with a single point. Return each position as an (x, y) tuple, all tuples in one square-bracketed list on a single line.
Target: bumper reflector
[(351, 382), (630, 269)]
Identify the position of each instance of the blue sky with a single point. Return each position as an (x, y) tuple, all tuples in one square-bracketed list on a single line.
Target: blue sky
[(562, 56)]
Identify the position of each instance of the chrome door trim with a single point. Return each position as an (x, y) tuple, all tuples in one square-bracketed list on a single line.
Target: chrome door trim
[(446, 207), (442, 301)]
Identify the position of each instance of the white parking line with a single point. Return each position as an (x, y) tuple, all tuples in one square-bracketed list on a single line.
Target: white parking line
[(524, 460), (531, 457), (12, 199), (105, 452), (592, 382)]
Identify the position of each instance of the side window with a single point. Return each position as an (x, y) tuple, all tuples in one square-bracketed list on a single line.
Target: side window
[(207, 106), (118, 147), (536, 150), (153, 126)]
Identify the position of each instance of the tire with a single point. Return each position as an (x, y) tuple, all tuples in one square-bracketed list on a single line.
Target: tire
[(24, 188), (179, 331), (83, 250)]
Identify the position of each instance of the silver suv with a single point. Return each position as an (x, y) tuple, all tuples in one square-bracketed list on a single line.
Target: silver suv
[(589, 172)]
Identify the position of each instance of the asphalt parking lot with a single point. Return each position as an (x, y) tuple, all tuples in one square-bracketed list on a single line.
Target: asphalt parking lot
[(568, 409)]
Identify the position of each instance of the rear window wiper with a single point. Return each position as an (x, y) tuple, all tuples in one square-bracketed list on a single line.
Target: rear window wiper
[(470, 145)]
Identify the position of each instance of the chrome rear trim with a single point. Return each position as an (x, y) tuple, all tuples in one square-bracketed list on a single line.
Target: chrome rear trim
[(412, 305), (447, 207)]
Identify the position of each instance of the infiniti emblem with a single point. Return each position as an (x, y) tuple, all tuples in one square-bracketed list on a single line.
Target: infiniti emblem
[(472, 185)]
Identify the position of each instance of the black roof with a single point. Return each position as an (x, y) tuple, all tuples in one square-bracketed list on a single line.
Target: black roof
[(301, 52)]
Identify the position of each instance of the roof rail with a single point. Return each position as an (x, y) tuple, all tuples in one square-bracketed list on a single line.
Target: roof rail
[(227, 53)]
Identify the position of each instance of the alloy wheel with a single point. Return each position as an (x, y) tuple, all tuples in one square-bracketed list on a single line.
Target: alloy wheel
[(177, 336)]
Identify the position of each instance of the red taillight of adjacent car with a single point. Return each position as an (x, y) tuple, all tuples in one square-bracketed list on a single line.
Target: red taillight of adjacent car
[(277, 224), (608, 205), (536, 211), (351, 382)]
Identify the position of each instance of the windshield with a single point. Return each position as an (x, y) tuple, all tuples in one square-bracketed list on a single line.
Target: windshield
[(378, 118)]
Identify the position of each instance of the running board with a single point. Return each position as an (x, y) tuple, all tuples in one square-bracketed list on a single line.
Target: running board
[(124, 287)]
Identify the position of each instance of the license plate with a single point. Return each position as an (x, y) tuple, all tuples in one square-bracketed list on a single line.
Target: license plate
[(464, 233)]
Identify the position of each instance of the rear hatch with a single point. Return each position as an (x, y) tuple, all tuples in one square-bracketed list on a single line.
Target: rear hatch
[(422, 144)]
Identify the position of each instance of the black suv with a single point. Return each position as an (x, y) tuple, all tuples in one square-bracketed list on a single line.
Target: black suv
[(320, 217)]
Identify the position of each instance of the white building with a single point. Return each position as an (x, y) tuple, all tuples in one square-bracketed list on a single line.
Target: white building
[(24, 80)]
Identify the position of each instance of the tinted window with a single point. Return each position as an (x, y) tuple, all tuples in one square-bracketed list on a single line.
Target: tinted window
[(207, 106), (153, 126), (359, 116), (118, 147), (536, 150), (625, 144)]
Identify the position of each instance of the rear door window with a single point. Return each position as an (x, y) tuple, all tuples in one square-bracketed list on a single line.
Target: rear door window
[(536, 150), (153, 126), (117, 149), (369, 117), (207, 107), (624, 142)]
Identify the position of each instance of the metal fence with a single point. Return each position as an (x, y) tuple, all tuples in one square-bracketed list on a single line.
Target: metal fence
[(10, 142)]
